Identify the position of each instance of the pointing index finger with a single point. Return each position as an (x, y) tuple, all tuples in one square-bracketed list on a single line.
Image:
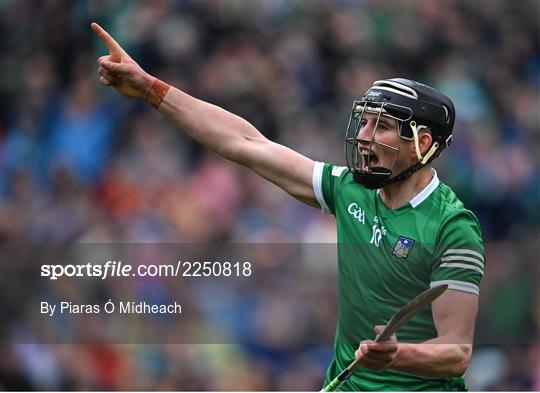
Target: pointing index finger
[(114, 48)]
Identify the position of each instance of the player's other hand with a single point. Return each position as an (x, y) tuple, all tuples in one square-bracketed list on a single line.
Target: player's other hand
[(377, 356), (119, 70)]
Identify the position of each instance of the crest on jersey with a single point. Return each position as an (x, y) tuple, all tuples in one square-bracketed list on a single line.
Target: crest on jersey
[(403, 247)]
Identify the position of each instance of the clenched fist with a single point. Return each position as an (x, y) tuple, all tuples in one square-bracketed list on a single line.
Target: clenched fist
[(377, 356)]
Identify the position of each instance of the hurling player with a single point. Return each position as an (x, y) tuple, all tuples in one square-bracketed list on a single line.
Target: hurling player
[(400, 229)]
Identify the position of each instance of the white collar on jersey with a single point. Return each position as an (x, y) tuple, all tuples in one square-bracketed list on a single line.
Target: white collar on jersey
[(422, 195)]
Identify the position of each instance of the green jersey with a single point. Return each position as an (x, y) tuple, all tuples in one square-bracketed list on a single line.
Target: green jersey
[(387, 257)]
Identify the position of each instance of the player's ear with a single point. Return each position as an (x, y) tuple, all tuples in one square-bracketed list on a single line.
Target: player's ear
[(424, 141)]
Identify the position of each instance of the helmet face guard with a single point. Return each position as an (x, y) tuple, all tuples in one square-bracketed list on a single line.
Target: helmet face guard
[(415, 107), (359, 155)]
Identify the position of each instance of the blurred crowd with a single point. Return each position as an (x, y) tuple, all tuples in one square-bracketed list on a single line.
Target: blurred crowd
[(82, 164)]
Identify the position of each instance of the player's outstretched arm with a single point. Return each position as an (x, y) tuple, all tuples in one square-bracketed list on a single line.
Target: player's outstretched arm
[(219, 130)]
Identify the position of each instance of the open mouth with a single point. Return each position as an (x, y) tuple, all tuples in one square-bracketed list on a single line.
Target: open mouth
[(369, 158)]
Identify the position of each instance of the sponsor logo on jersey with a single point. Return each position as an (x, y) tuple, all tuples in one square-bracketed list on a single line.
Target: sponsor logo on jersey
[(403, 247), (357, 212), (377, 232)]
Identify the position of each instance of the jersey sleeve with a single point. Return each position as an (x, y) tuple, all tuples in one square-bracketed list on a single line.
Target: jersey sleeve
[(326, 180), (460, 260)]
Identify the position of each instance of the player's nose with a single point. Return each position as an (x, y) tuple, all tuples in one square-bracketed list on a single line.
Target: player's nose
[(365, 133)]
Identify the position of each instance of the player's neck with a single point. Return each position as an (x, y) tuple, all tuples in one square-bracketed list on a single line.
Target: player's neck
[(396, 195)]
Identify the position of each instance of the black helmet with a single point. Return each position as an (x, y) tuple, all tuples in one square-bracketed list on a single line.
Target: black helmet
[(416, 107)]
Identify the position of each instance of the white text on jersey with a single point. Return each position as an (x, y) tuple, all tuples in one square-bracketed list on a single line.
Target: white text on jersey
[(357, 212)]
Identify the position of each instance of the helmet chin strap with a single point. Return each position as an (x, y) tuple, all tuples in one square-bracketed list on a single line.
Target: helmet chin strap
[(403, 175), (372, 181)]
